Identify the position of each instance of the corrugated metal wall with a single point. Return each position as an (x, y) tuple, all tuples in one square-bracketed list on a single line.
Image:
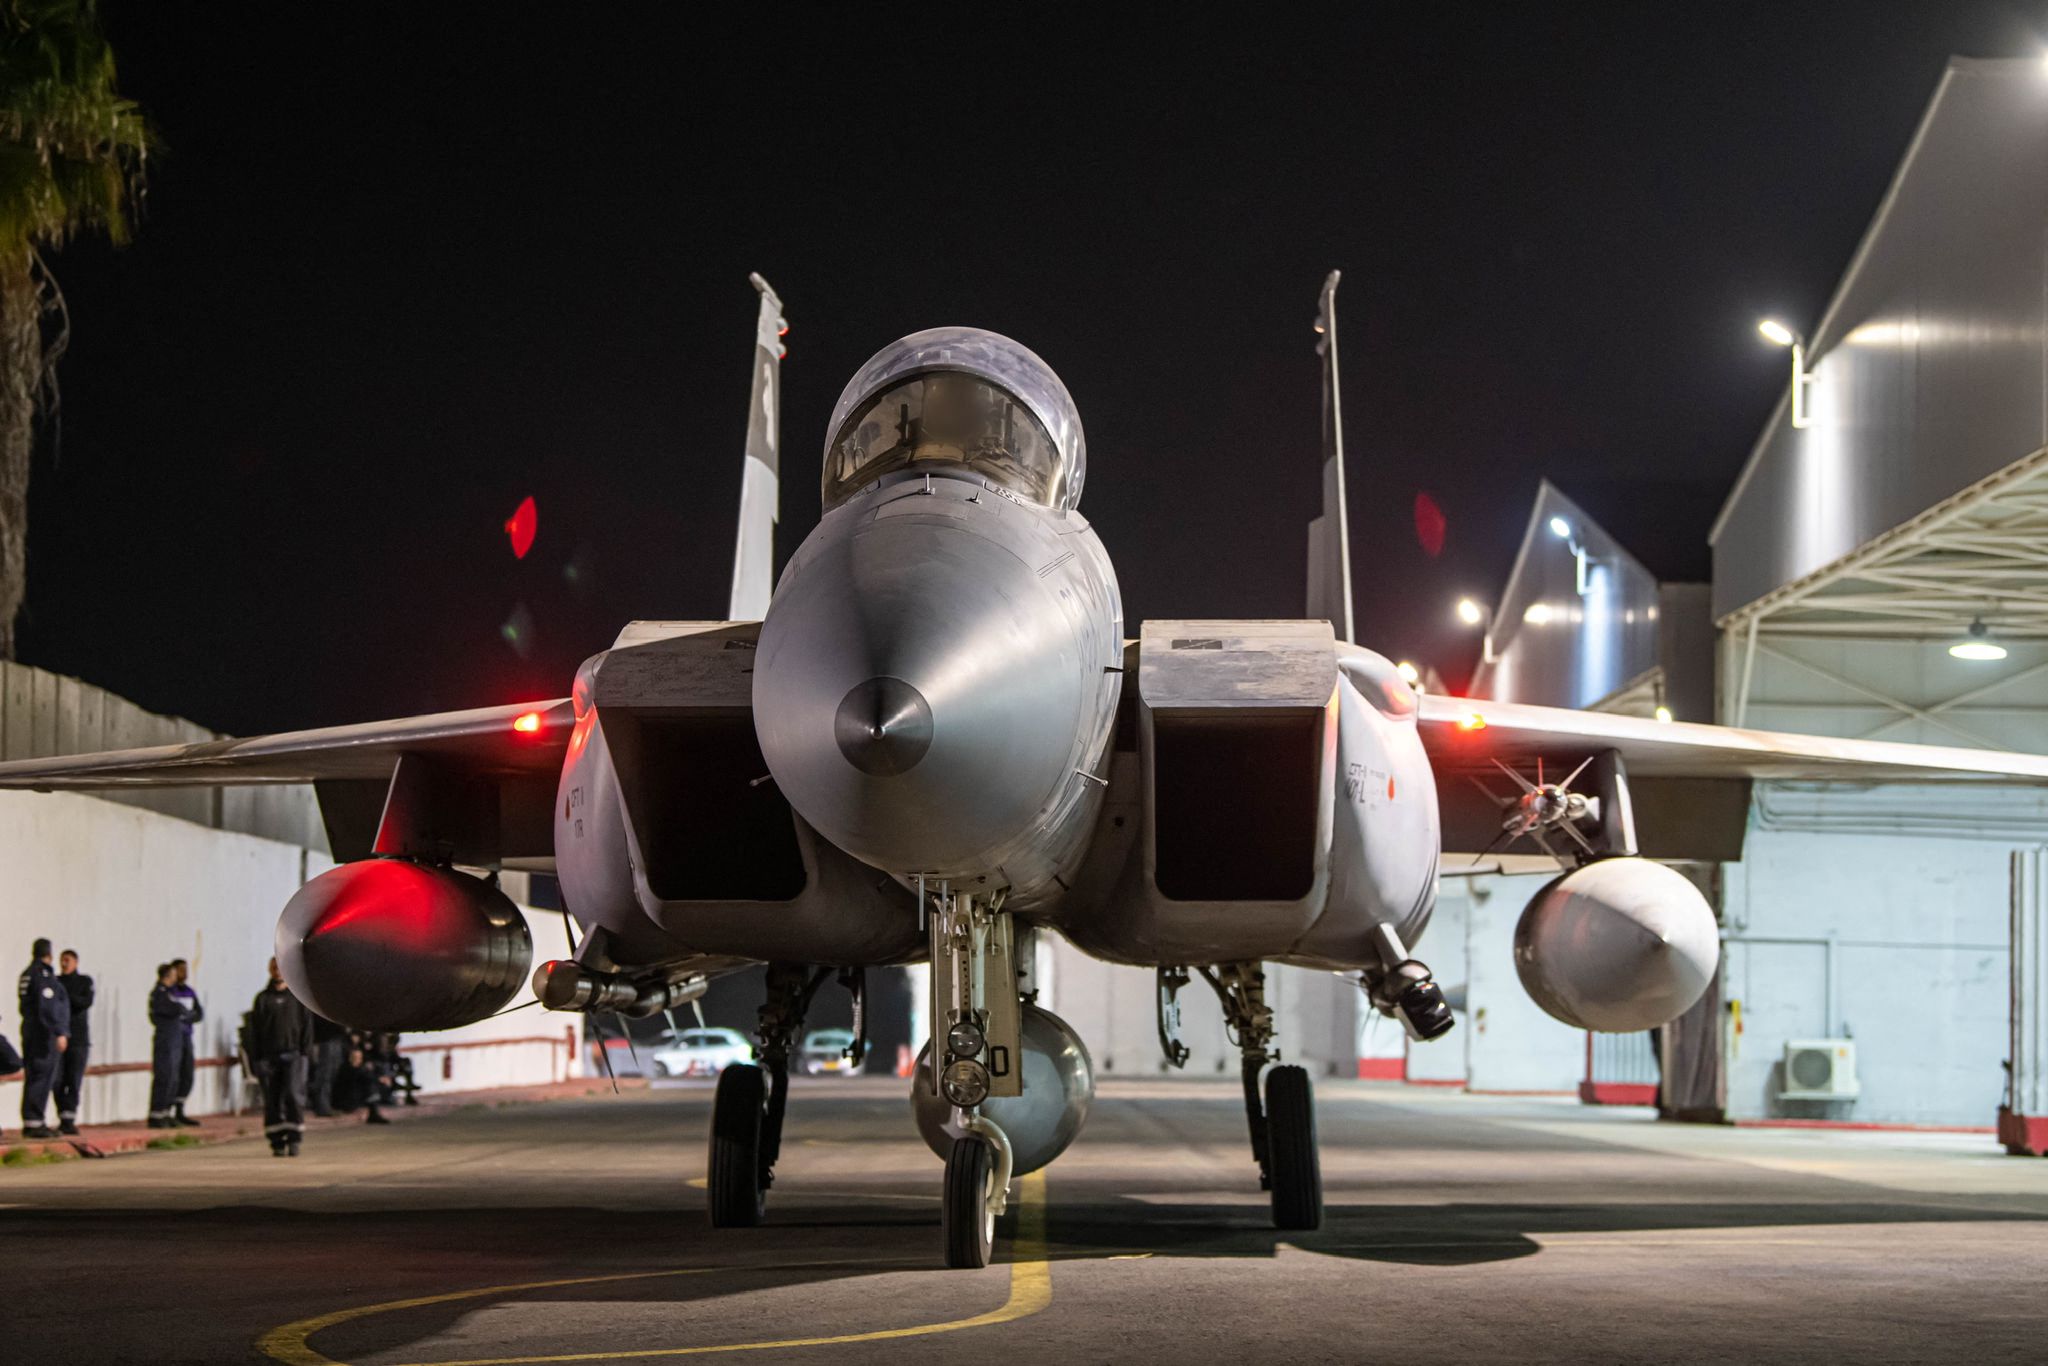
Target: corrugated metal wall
[(1928, 368), (1560, 647), (44, 714)]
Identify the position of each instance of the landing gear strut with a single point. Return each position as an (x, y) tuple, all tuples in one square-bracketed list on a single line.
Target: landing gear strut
[(746, 1112), (977, 1052), (1283, 1128)]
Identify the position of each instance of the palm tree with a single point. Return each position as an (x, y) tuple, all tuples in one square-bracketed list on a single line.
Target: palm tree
[(71, 160)]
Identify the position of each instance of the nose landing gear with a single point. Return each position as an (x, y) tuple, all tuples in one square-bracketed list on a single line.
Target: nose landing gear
[(977, 1052)]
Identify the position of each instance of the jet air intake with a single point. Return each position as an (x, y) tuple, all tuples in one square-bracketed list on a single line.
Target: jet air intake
[(1617, 945)]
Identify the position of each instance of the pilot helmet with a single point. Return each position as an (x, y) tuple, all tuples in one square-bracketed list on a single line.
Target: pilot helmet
[(958, 396)]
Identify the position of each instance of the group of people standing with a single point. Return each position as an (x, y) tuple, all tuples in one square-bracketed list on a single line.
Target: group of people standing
[(301, 1061), (56, 1040)]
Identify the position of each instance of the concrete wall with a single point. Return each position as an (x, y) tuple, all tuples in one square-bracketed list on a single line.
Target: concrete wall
[(130, 888), (1878, 915)]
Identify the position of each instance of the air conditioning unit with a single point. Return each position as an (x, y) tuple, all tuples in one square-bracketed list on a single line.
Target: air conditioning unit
[(1820, 1069)]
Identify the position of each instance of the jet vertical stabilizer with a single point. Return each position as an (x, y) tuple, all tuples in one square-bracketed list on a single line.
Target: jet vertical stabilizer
[(753, 561), (1329, 536)]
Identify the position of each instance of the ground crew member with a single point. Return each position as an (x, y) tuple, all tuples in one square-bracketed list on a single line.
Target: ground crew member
[(45, 1033), (71, 1067), (280, 1047), (188, 1060), (330, 1050), (167, 1017)]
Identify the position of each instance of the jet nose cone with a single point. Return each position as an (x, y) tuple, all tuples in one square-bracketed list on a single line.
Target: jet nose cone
[(883, 726), (919, 689)]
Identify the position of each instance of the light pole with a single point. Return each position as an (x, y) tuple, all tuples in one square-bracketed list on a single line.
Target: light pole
[(1777, 334), (1475, 613), (1562, 529)]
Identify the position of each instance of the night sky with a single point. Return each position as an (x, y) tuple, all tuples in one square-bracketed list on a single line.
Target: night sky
[(404, 266)]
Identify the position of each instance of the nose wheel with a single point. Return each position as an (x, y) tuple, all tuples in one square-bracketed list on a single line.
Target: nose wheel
[(968, 1216)]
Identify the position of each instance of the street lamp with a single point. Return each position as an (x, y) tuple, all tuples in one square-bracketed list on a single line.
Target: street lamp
[(1777, 334), (1562, 529), (1474, 613)]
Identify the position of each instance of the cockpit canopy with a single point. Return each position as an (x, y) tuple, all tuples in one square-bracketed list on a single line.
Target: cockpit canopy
[(964, 397)]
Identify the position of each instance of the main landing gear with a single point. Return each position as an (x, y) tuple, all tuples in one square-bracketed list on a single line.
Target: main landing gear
[(977, 1052), (746, 1112), (1283, 1127)]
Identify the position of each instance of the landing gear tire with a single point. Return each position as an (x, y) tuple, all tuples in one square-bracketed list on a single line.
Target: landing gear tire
[(1294, 1164), (737, 1196), (967, 1217)]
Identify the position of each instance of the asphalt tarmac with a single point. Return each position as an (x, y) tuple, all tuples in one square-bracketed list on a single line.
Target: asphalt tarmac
[(1459, 1229)]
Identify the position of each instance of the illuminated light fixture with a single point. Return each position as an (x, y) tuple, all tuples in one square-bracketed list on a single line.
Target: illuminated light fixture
[(1977, 644), (1475, 613), (1663, 713), (1777, 334), (1409, 673), (527, 723), (1537, 614), (1562, 529), (1471, 720)]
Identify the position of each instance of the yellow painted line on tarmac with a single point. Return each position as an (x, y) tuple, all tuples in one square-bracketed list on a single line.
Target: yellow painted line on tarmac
[(1030, 1291)]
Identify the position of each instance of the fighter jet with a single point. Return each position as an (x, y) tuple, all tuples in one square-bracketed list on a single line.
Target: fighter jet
[(937, 740)]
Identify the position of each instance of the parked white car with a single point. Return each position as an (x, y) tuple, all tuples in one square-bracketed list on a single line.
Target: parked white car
[(824, 1053), (702, 1053)]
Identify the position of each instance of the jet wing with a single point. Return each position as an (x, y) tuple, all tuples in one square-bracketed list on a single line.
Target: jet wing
[(1464, 735), (1689, 784), (523, 739)]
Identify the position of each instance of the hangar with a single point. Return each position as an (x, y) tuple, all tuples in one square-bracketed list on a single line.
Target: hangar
[(1880, 571)]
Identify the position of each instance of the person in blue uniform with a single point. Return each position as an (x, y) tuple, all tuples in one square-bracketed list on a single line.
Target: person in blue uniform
[(167, 1018), (280, 1044), (187, 1060), (71, 1066), (45, 1033)]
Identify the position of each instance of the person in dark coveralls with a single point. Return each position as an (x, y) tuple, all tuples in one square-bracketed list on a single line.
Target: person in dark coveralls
[(167, 1018), (280, 1048), (45, 1034), (187, 1062), (71, 1067), (330, 1050)]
